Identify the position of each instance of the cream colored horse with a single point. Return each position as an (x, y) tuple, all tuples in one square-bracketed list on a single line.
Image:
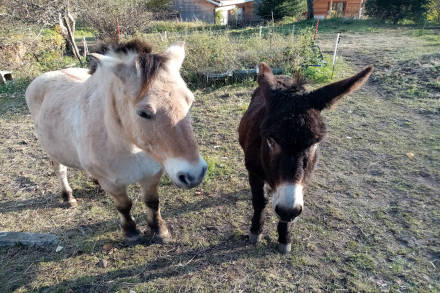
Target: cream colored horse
[(123, 122)]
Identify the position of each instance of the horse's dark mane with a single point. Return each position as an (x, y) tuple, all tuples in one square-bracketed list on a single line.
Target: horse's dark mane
[(149, 63)]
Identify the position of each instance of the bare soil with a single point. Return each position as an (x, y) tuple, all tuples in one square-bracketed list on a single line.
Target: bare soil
[(371, 220)]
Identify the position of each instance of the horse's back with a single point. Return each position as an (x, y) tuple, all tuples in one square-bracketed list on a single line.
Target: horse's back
[(57, 82)]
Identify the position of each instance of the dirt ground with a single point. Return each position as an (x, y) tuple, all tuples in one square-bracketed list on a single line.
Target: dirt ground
[(371, 220)]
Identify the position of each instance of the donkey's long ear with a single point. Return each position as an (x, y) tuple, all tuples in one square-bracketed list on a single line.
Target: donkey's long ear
[(266, 79), (326, 96), (176, 54)]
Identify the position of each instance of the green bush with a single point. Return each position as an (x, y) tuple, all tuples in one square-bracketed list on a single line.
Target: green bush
[(397, 10), (28, 53), (222, 51)]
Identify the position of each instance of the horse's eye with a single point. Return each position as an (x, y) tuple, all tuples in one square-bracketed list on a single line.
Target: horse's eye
[(145, 114)]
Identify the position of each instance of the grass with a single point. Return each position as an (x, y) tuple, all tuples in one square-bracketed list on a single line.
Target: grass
[(371, 216)]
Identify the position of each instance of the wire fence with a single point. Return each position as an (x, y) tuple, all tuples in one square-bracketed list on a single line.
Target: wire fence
[(214, 54)]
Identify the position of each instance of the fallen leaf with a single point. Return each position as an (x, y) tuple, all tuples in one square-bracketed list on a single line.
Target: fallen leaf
[(103, 263), (107, 246)]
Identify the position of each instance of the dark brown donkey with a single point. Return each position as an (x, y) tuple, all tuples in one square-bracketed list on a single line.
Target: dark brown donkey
[(279, 134)]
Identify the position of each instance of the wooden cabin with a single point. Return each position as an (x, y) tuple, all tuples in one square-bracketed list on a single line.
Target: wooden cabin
[(216, 11), (338, 8)]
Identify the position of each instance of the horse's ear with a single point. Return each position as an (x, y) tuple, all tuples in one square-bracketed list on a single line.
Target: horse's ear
[(176, 54), (266, 79), (103, 59), (326, 96)]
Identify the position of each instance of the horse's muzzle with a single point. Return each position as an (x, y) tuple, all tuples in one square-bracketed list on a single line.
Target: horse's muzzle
[(186, 174), (188, 180)]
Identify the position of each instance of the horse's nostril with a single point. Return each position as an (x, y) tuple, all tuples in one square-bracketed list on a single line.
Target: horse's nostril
[(203, 171), (182, 178)]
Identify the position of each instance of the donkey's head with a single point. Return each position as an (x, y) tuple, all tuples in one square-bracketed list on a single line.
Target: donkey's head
[(291, 131), (151, 103)]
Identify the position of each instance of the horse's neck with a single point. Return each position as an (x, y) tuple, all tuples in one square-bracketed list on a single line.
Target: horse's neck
[(104, 111)]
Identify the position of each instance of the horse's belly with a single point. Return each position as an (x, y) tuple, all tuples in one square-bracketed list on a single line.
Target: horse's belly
[(56, 135)]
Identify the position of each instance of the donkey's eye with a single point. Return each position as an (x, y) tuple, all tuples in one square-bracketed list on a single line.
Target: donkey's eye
[(271, 143), (145, 114)]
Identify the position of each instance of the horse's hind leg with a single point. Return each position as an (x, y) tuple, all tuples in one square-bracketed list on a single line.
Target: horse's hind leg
[(151, 199), (66, 191)]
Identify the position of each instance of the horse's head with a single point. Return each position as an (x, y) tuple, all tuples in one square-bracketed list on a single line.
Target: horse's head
[(152, 106), (291, 131)]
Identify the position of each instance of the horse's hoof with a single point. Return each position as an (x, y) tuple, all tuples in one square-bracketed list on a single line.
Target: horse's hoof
[(254, 238), (284, 248), (72, 203)]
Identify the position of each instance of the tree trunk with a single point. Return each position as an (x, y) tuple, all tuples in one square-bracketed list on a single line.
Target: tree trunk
[(310, 13), (67, 23)]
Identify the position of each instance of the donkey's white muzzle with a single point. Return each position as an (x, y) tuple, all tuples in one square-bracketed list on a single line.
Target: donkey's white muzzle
[(185, 174), (287, 201)]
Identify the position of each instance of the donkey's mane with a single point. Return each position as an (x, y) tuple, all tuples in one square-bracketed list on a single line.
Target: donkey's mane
[(149, 63)]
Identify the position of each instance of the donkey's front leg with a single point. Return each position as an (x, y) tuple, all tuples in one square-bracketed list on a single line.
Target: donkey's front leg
[(151, 200), (284, 245), (259, 203), (123, 205)]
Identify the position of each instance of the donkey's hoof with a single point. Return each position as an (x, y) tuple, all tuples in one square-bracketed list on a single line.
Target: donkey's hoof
[(254, 238), (132, 235), (163, 238), (284, 248)]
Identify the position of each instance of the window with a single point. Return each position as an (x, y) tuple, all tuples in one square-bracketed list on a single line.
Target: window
[(337, 8)]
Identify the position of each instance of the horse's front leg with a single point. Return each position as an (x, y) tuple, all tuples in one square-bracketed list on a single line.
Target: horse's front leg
[(259, 203), (151, 200), (123, 205)]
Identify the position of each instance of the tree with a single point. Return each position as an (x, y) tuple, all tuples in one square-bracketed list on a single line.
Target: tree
[(434, 11), (279, 8), (310, 10), (396, 10), (46, 13)]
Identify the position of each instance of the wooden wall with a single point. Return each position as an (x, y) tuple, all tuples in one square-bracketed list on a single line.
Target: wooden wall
[(190, 10), (352, 7)]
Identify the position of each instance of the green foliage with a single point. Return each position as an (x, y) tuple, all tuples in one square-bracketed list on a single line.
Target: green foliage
[(434, 11), (33, 52), (280, 9), (221, 51), (397, 10)]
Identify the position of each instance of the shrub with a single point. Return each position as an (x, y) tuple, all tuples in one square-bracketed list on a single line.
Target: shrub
[(397, 10), (222, 51), (31, 52), (133, 16)]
